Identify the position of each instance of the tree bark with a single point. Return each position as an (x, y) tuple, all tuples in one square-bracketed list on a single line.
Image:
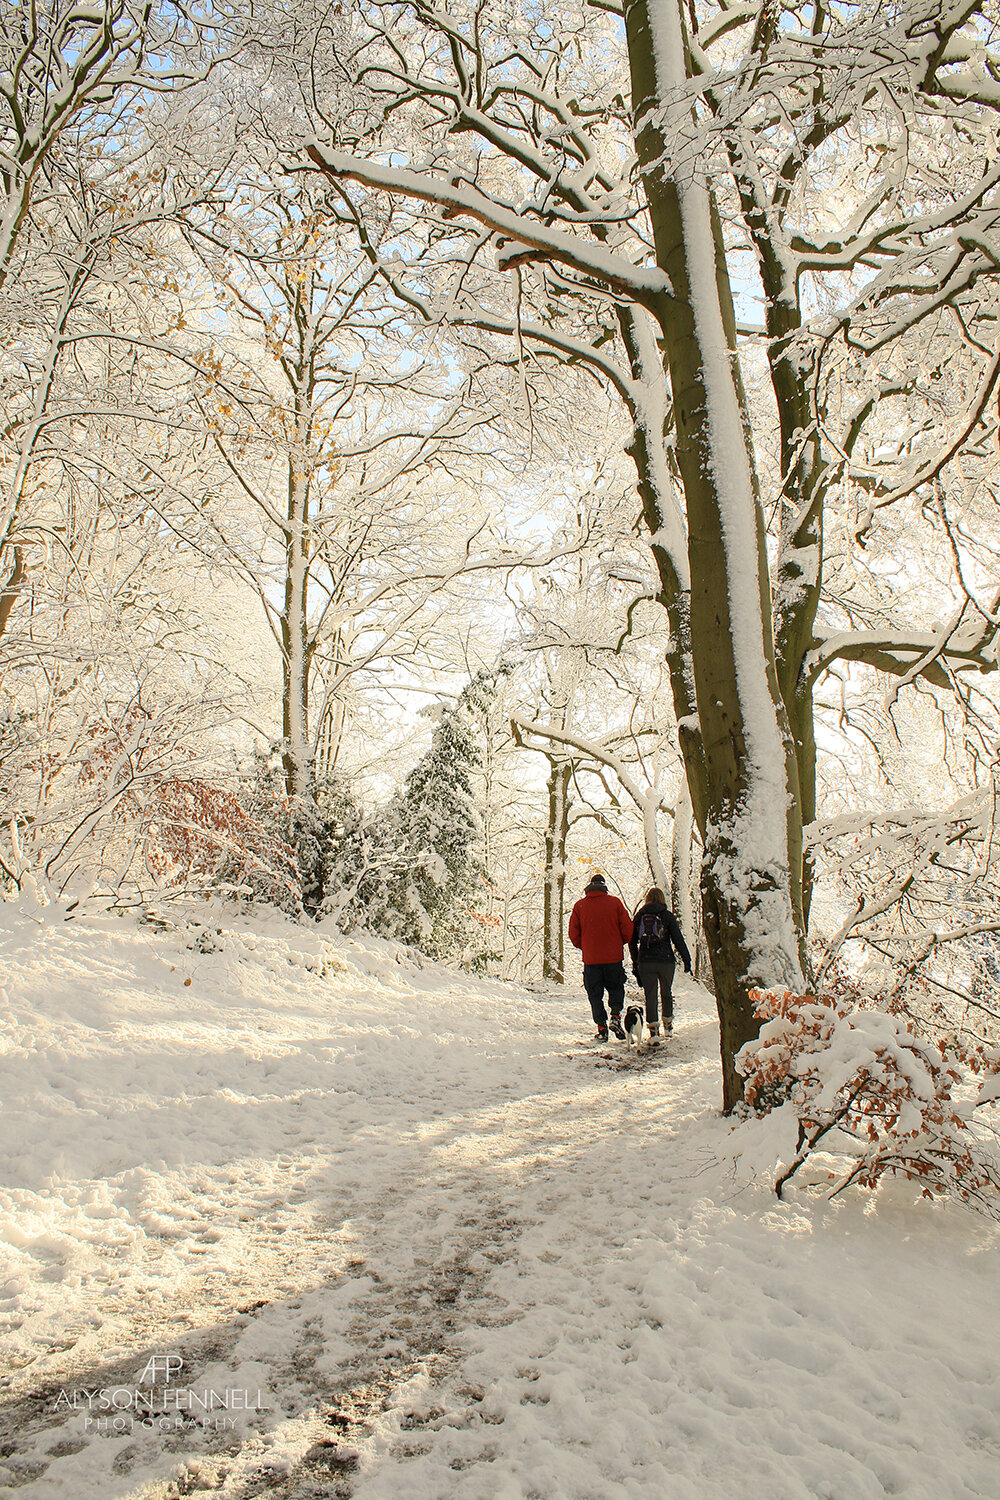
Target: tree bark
[(805, 480), (12, 588), (747, 779), (296, 753), (554, 882), (682, 865)]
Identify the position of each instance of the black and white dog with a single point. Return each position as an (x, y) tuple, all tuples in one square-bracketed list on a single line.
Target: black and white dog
[(633, 1021)]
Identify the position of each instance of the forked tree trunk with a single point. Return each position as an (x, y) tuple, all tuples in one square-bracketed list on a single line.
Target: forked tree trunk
[(741, 766)]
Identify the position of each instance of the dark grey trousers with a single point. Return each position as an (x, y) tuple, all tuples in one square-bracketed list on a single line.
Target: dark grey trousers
[(656, 975)]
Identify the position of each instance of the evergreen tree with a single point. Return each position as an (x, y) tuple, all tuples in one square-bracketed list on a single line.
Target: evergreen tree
[(438, 834), (412, 872)]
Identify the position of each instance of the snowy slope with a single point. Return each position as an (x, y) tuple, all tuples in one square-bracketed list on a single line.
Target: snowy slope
[(444, 1248)]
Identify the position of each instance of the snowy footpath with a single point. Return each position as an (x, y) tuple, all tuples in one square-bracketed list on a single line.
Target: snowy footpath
[(283, 1214)]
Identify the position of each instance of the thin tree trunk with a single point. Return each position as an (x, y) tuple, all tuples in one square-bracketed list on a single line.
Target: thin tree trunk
[(554, 881), (12, 588), (682, 865), (651, 836), (296, 753)]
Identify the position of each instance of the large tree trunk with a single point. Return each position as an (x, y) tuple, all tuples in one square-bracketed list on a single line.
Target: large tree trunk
[(805, 480), (744, 783), (12, 588)]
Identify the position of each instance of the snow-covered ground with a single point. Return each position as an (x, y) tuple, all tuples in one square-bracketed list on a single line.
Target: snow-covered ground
[(438, 1248)]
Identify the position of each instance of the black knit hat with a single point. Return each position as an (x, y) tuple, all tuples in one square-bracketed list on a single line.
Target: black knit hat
[(596, 883)]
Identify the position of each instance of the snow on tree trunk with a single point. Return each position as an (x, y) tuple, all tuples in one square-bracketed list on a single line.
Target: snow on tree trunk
[(748, 780), (682, 864), (649, 407), (297, 753), (651, 834), (554, 882), (806, 481)]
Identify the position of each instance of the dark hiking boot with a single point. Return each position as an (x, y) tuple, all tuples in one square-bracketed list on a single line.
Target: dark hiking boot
[(668, 1025), (654, 1032), (602, 1034), (617, 1028)]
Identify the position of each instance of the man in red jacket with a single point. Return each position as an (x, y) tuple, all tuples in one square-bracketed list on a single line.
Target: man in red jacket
[(601, 926)]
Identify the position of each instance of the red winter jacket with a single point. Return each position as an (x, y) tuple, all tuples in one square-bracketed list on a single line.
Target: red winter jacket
[(601, 926)]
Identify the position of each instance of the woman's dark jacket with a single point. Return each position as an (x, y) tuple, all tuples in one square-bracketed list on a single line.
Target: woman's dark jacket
[(663, 951)]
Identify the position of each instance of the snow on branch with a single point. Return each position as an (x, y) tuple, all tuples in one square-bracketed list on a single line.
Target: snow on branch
[(519, 236), (875, 1096), (917, 883), (648, 802), (910, 654), (931, 470)]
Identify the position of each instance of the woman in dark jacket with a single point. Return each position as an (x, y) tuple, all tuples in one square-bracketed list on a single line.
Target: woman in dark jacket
[(655, 936)]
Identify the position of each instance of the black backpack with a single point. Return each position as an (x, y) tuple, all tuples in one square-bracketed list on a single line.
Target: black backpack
[(652, 929)]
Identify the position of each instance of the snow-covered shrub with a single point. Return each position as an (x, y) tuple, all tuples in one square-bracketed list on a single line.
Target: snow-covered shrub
[(867, 1086), (308, 827), (126, 808), (197, 830)]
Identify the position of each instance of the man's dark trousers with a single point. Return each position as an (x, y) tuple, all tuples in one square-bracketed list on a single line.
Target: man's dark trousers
[(600, 977)]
